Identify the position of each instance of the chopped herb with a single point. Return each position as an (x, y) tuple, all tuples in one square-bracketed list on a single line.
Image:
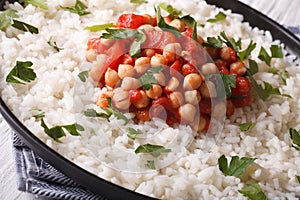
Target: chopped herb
[(276, 51), (246, 126), (191, 22), (264, 56), (24, 27), (38, 3), (135, 48), (93, 113), (236, 167), (138, 1), (57, 132), (273, 70), (83, 75), (173, 12), (218, 17), (213, 42), (79, 8), (163, 25), (283, 76), (132, 133), (271, 90), (118, 34), (54, 45), (253, 67), (246, 53), (100, 27), (295, 138), (298, 178), (148, 79), (253, 192), (287, 95), (6, 18), (40, 115), (226, 80), (230, 42), (111, 110), (150, 164), (21, 73), (154, 150)]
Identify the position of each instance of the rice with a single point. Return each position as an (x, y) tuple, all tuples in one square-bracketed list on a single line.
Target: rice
[(191, 170)]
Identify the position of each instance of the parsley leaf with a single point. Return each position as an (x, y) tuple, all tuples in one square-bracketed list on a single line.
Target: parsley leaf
[(226, 80), (173, 12), (100, 27), (93, 113), (83, 75), (213, 42), (40, 115), (246, 53), (135, 49), (118, 34), (138, 1), (246, 126), (190, 21), (24, 27), (54, 45), (154, 150), (283, 76), (230, 42), (150, 164), (6, 18), (79, 8), (21, 73), (273, 70), (148, 79), (253, 67), (298, 178), (57, 132), (38, 3), (163, 25), (132, 133), (253, 192), (111, 110), (236, 167), (295, 138), (276, 51), (218, 17), (264, 56)]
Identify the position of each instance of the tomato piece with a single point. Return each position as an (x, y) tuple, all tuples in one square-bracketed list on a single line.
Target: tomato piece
[(95, 43), (143, 114), (175, 69), (205, 106), (135, 95), (242, 88), (126, 59), (188, 69), (222, 66), (132, 21), (241, 102), (158, 39)]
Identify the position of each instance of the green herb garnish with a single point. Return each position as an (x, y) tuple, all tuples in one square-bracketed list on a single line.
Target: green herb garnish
[(150, 164), (173, 12), (236, 167), (230, 42), (148, 79), (294, 134), (226, 80), (218, 17), (118, 34), (93, 113), (6, 18), (154, 150), (24, 27), (57, 132), (264, 56), (276, 51), (21, 73), (132, 133), (213, 42), (298, 178), (246, 126), (83, 76), (99, 27), (79, 8), (40, 115), (191, 22), (246, 53), (138, 1), (253, 67), (253, 192), (54, 45), (38, 3), (135, 48)]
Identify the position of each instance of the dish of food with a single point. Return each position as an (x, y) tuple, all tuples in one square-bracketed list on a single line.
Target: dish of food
[(171, 100)]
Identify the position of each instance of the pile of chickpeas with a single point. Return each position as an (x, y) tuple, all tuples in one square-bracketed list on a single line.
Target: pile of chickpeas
[(180, 93)]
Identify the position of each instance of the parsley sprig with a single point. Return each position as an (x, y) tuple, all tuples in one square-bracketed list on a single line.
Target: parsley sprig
[(294, 134), (276, 52), (38, 3), (173, 12), (218, 17), (223, 82), (83, 75), (98, 27), (253, 192), (147, 79), (79, 8), (154, 150), (21, 73)]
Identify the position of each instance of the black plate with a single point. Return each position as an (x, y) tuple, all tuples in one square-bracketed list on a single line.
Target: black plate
[(108, 189)]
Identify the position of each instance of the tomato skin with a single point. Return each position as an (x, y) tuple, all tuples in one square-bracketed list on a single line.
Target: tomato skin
[(175, 69), (205, 106), (163, 101), (188, 69), (132, 21), (222, 66), (143, 114), (135, 96), (242, 88), (95, 43), (238, 103), (158, 40)]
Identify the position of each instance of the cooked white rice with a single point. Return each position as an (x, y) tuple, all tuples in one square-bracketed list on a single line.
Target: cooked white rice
[(191, 170)]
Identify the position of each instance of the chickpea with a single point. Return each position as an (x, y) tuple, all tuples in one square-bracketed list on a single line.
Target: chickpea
[(192, 96), (229, 108), (111, 77), (192, 81), (142, 65), (130, 83), (172, 52), (146, 27), (202, 123), (154, 92), (187, 112), (178, 24), (102, 101), (143, 102), (208, 90), (176, 99), (160, 78), (91, 55), (125, 70), (209, 68), (121, 99), (228, 54), (219, 110), (172, 85), (107, 42), (157, 60), (148, 52), (238, 68)]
